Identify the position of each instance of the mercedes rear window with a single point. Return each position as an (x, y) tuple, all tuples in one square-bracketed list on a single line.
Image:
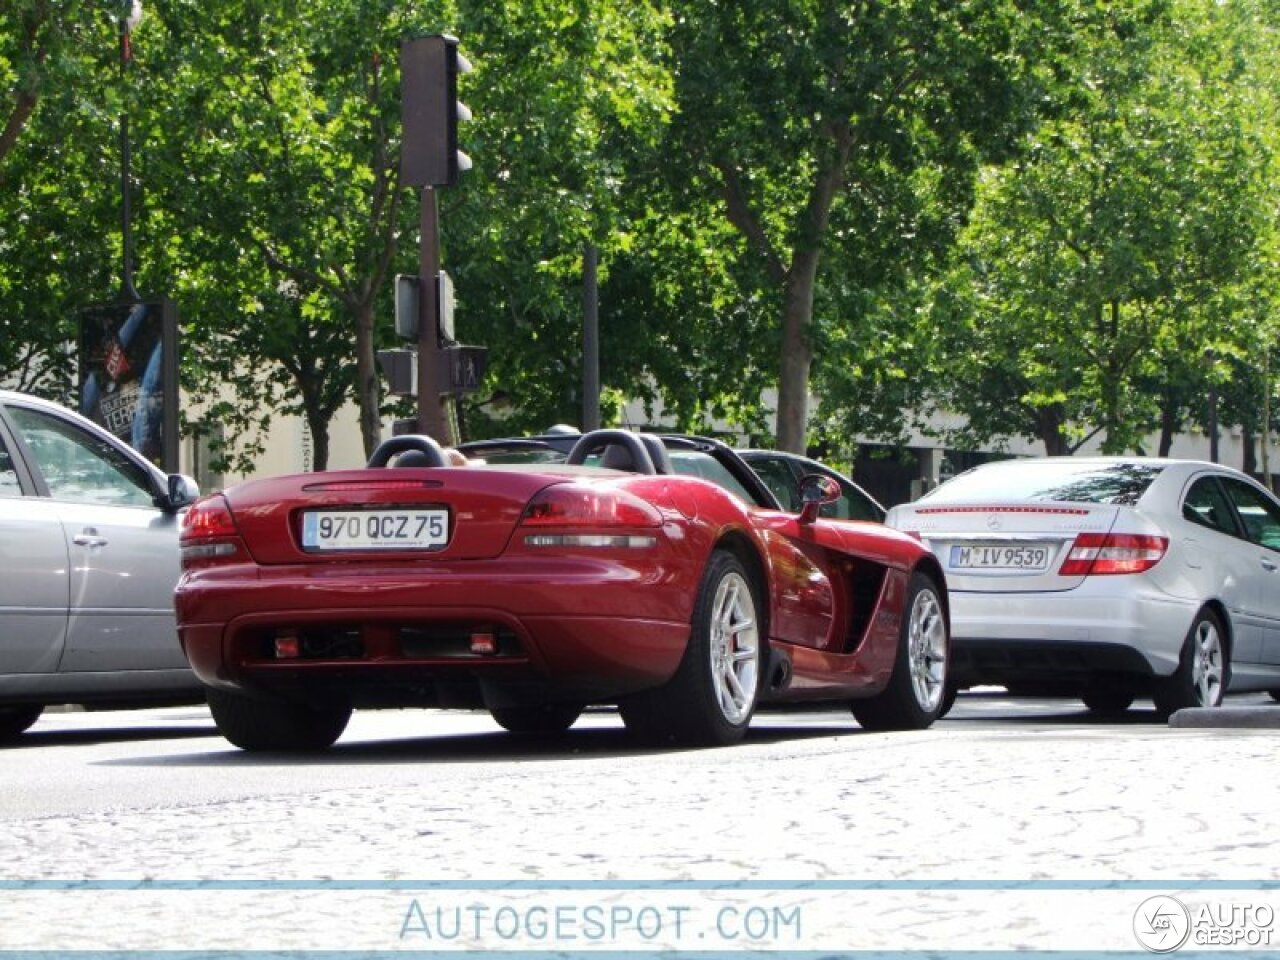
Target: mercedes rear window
[(1115, 483)]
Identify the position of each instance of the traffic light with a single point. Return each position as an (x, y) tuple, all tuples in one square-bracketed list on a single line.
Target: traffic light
[(430, 111), (400, 367), (408, 307)]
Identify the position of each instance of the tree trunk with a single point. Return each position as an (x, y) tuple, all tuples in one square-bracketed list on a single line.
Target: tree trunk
[(318, 425), (797, 355), (367, 386), (1168, 422), (24, 106), (1049, 426), (1112, 370)]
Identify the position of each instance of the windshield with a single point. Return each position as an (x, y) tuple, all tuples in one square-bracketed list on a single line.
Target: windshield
[(1064, 480)]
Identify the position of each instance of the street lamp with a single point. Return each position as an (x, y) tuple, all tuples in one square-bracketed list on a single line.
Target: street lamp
[(130, 15)]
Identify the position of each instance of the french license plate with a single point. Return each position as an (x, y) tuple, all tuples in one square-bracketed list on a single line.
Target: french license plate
[(1000, 556), (375, 529)]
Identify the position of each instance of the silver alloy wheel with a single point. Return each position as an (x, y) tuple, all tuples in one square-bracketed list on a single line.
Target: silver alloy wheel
[(1206, 663), (735, 648), (927, 650)]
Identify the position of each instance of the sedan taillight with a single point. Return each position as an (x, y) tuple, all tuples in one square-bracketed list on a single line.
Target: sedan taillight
[(209, 534), (1112, 553)]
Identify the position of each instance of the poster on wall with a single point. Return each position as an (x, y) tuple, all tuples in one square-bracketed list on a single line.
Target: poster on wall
[(129, 375)]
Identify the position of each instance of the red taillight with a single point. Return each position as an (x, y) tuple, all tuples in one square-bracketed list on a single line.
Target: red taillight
[(569, 505), (288, 645), (484, 642), (577, 517), (209, 517), (1095, 554), (209, 534)]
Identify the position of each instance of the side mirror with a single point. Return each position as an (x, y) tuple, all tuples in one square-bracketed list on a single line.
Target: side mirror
[(816, 491), (180, 491)]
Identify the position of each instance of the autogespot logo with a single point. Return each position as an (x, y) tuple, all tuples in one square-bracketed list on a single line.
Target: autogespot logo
[(1162, 924)]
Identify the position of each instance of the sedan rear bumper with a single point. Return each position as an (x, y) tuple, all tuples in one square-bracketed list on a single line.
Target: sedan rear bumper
[(1097, 628)]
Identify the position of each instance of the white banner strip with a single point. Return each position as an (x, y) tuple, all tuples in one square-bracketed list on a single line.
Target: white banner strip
[(786, 919)]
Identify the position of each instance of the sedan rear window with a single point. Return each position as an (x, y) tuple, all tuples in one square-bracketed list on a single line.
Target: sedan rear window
[(9, 486), (1066, 480)]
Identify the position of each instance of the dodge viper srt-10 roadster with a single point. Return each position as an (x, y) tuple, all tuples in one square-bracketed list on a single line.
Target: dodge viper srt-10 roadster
[(655, 573)]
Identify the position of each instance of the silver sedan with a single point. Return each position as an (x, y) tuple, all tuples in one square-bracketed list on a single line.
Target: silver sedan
[(1108, 578), (88, 563)]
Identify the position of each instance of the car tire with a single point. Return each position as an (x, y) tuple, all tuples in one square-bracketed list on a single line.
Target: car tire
[(917, 689), (1204, 668), (1108, 701), (15, 721), (948, 699), (543, 719), (712, 696), (275, 725)]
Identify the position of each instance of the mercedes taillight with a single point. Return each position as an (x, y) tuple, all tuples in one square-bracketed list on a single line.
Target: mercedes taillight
[(1095, 554)]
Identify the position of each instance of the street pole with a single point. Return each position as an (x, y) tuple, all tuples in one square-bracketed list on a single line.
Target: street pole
[(127, 291), (431, 413), (590, 341), (1213, 424)]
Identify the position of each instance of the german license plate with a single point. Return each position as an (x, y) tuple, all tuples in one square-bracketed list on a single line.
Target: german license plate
[(375, 529), (1000, 556)]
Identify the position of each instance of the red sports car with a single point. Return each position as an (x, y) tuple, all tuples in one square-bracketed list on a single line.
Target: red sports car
[(659, 574)]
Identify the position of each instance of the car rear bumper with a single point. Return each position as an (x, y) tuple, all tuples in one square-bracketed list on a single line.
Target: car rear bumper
[(565, 631), (1100, 627)]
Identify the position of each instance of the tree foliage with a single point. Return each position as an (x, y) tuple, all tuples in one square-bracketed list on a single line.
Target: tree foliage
[(58, 183), (1093, 292), (1048, 219), (840, 141)]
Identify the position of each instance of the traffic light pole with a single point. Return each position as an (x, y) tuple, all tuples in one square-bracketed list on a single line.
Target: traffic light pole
[(430, 158), (432, 419), (590, 341)]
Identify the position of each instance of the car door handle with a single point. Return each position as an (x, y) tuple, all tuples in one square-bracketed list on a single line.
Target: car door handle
[(1267, 565), (89, 538)]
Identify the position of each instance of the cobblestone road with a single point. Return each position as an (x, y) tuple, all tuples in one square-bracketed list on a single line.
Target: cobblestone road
[(1029, 798)]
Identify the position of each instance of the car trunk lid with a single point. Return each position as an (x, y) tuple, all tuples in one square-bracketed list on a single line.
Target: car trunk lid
[(378, 514), (1006, 547)]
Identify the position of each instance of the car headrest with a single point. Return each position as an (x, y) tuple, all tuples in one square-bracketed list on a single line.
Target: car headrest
[(617, 457), (657, 452), (415, 458)]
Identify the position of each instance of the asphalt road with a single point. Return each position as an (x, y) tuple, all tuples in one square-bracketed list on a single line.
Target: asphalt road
[(1002, 796)]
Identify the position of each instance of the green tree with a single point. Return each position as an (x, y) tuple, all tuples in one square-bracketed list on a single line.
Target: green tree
[(40, 53), (274, 139), (59, 193), (272, 130), (565, 94), (1093, 277), (843, 137)]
